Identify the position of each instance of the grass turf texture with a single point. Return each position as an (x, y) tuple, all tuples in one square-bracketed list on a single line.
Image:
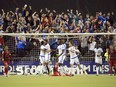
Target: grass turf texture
[(52, 81)]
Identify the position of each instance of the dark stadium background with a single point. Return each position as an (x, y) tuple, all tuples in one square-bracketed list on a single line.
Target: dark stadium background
[(84, 6)]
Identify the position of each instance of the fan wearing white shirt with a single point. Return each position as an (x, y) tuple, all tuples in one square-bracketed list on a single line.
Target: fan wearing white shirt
[(92, 45), (73, 52), (98, 58)]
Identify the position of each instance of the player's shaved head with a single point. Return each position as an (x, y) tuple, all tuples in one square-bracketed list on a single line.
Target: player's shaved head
[(42, 42), (63, 41)]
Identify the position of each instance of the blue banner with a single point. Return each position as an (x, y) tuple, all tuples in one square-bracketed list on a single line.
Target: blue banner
[(33, 68)]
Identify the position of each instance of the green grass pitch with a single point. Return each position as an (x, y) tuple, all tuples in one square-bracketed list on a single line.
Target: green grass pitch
[(59, 81)]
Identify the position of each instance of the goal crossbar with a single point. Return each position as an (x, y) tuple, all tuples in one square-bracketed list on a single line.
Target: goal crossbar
[(55, 34)]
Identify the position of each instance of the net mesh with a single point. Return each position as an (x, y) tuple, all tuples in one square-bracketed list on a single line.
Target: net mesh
[(84, 42)]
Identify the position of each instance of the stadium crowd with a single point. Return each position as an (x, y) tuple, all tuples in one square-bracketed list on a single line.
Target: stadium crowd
[(46, 21)]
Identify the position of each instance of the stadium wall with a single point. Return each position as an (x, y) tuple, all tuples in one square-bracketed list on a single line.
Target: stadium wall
[(84, 6), (33, 68)]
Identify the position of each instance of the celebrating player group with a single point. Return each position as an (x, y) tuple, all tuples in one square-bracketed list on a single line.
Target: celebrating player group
[(64, 49)]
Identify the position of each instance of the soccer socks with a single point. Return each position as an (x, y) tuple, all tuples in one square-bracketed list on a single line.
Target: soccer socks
[(97, 70), (72, 71), (111, 70), (6, 71), (44, 69), (101, 68), (48, 69), (41, 69), (59, 69), (115, 71), (80, 68)]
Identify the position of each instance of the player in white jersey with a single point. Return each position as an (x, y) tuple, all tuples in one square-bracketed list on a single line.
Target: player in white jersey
[(61, 55), (47, 52), (47, 55), (42, 53), (74, 53), (98, 58), (42, 57)]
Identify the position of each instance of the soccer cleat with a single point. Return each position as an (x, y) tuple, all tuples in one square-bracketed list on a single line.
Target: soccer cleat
[(110, 74), (97, 75), (7, 76), (71, 75), (102, 71), (114, 74)]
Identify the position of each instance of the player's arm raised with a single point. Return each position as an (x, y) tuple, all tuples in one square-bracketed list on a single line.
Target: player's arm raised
[(3, 56)]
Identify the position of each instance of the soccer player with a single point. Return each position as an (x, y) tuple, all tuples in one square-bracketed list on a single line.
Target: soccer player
[(55, 70), (6, 58), (42, 57), (57, 73), (98, 58), (47, 55), (112, 60), (61, 55), (74, 57)]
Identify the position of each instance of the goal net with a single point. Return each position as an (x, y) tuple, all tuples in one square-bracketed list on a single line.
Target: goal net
[(85, 42)]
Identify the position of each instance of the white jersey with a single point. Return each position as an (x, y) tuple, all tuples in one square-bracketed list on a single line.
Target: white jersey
[(47, 47), (72, 51), (41, 51), (98, 52), (42, 54), (47, 54), (62, 48), (98, 56)]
